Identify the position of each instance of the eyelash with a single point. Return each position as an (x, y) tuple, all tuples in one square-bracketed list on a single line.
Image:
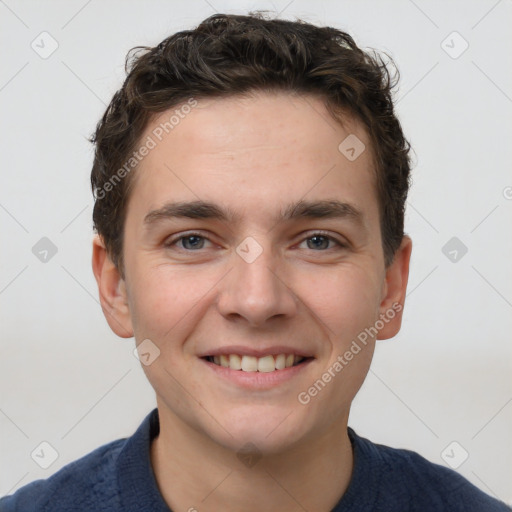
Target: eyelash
[(174, 241)]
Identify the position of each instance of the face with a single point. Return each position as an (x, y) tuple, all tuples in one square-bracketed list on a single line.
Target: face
[(252, 241)]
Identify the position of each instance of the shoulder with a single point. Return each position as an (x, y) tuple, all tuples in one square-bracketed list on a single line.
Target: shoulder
[(408, 478), (88, 483)]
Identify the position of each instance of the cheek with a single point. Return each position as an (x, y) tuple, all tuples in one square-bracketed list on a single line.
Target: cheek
[(165, 297), (345, 300)]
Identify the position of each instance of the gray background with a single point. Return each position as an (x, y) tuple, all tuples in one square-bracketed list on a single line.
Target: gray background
[(68, 380)]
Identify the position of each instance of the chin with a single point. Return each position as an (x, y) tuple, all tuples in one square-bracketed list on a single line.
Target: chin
[(271, 430)]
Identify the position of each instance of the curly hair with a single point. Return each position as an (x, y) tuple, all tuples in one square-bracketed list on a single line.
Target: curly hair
[(228, 55)]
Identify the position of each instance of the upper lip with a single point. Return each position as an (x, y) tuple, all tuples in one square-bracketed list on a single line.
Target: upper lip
[(255, 352)]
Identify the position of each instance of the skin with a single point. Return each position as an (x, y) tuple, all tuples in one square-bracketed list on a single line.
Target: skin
[(254, 155)]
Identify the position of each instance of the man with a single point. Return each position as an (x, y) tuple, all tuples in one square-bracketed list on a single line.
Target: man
[(250, 180)]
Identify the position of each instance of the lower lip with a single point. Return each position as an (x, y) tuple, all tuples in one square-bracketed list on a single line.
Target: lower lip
[(258, 380)]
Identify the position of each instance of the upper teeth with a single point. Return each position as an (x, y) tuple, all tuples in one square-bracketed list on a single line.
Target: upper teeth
[(257, 364)]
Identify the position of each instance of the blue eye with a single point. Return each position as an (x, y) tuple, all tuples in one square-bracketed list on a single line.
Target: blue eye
[(321, 242), (190, 242), (194, 242), (318, 242)]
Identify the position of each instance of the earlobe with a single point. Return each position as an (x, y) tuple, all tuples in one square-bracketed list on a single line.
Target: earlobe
[(397, 275), (112, 290)]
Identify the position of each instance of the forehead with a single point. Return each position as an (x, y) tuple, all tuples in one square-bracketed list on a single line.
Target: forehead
[(256, 155)]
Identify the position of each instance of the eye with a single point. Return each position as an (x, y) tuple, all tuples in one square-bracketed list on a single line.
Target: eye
[(322, 242), (189, 242)]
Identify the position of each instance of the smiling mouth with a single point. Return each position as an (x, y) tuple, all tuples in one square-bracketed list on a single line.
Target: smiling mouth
[(263, 364)]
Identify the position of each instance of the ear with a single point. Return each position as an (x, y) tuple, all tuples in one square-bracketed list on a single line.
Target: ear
[(112, 290), (392, 305)]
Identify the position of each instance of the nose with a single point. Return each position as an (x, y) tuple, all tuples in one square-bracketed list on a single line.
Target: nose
[(256, 292)]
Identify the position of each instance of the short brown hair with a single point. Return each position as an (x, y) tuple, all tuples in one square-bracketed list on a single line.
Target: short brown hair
[(228, 55)]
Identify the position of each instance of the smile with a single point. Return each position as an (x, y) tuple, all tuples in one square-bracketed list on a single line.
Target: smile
[(265, 364)]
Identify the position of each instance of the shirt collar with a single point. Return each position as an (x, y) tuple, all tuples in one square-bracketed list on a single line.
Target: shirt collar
[(136, 479), (139, 490)]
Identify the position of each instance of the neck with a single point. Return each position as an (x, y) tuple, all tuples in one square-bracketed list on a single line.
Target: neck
[(195, 473)]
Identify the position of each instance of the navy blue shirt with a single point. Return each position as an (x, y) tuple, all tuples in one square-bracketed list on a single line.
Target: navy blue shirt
[(118, 477)]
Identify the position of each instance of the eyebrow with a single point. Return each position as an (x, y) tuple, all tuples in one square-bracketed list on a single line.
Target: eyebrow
[(331, 209)]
